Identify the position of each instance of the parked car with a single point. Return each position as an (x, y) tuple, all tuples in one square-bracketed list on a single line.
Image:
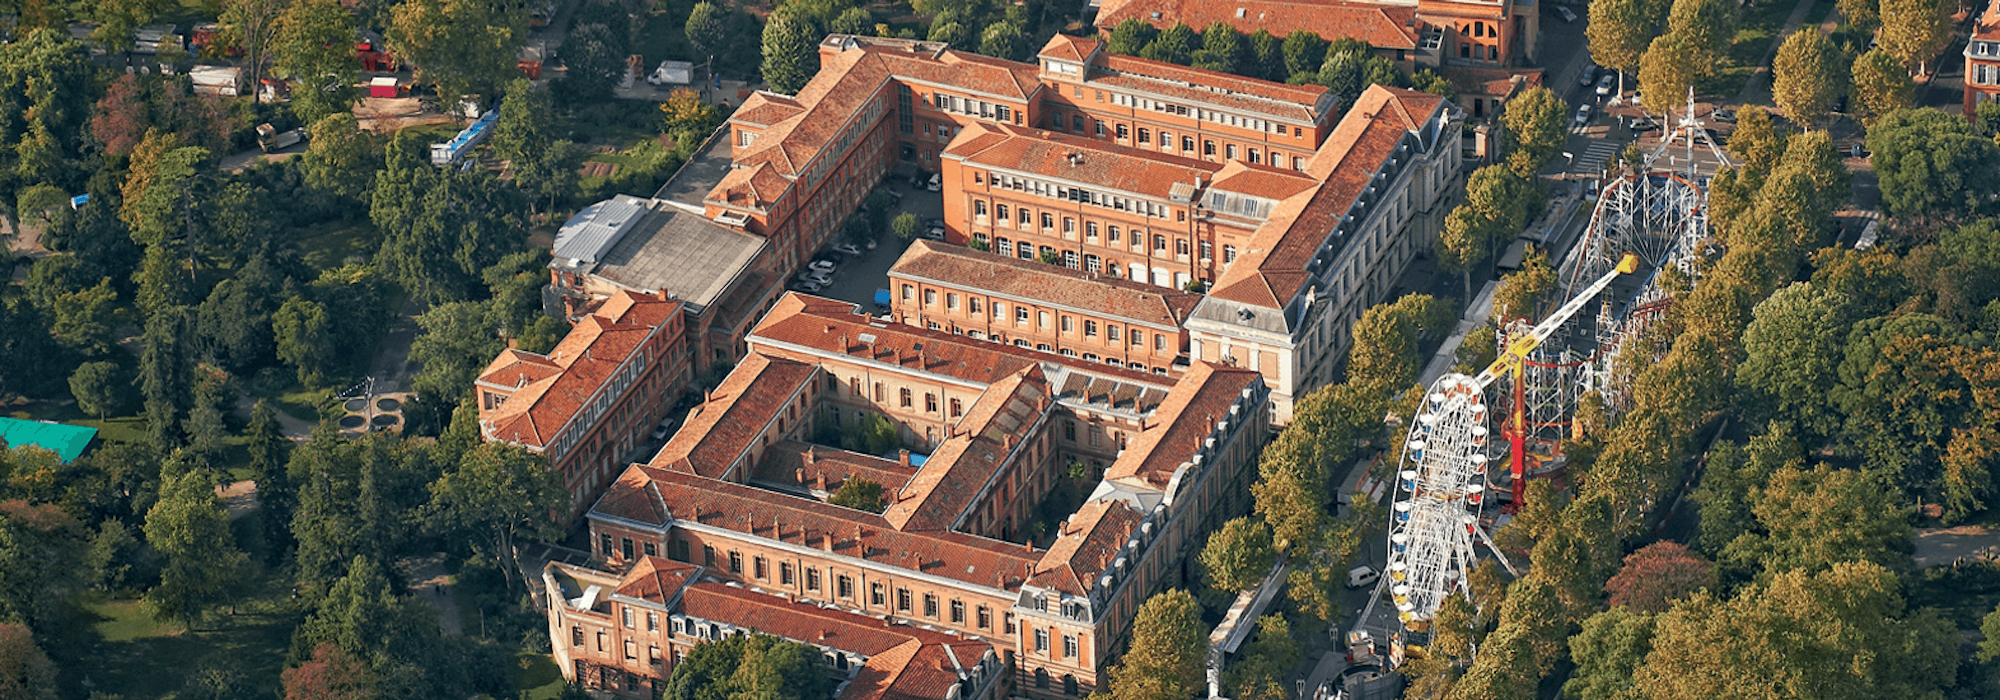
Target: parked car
[(1569, 16), (1643, 125), (666, 427), (825, 266), (935, 233), (1582, 118), (848, 249), (1607, 83), (1589, 76), (935, 184), (1726, 116), (807, 287), (930, 223), (820, 278)]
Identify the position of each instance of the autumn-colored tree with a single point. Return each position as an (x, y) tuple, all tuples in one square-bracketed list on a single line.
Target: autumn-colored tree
[(1239, 555), (1518, 293), (1169, 649), (25, 672), (1657, 575), (331, 674), (1808, 73), (1881, 86)]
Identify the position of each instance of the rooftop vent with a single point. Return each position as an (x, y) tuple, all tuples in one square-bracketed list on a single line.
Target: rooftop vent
[(1241, 13), (1156, 14)]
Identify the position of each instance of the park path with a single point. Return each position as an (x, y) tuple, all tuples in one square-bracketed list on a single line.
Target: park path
[(1939, 546), (429, 582), (1757, 90)]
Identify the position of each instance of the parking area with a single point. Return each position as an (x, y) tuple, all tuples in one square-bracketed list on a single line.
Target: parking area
[(857, 278)]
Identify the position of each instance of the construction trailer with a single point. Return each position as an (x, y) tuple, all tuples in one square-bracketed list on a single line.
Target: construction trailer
[(221, 81), (454, 151)]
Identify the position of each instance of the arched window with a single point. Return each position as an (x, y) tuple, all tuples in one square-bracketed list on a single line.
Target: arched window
[(1069, 685), (1041, 679)]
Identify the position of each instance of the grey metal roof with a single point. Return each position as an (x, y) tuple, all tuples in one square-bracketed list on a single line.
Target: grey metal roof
[(666, 249), (586, 236)]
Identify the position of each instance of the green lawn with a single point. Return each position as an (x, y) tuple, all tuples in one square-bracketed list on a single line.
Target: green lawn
[(329, 246), (138, 658), (1761, 24), (537, 677)]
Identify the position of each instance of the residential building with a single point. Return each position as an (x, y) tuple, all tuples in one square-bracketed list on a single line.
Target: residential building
[(622, 633), (1982, 60), (1046, 307), (989, 433), (590, 401), (722, 278), (1324, 255)]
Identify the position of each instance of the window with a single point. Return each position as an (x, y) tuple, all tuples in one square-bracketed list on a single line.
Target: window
[(1069, 431), (1003, 246), (1090, 230), (985, 619), (930, 297), (1138, 337), (1207, 250), (1180, 246), (909, 292), (876, 596), (1027, 251), (903, 599), (1041, 645), (978, 207), (1228, 254), (653, 654), (845, 584), (957, 612), (1076, 123), (905, 395), (1020, 315), (1100, 129), (601, 637), (1089, 329), (625, 546), (1187, 143), (604, 542), (951, 301), (785, 573), (707, 556), (1208, 148), (652, 622), (1093, 263), (762, 573), (626, 613), (930, 402), (1069, 259), (1160, 243), (1069, 685), (812, 579), (1042, 318), (1143, 136), (972, 305), (1000, 212), (1069, 646), (930, 605), (1111, 234), (1159, 342), (1048, 221), (576, 635), (735, 563), (1230, 151), (1041, 676), (1111, 332), (1253, 156), (631, 651), (1123, 133), (957, 408)]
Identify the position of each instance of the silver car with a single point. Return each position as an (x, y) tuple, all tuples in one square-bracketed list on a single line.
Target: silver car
[(1582, 118), (1607, 83)]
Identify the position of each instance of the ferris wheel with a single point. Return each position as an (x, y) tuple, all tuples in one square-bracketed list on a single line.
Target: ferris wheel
[(1439, 494)]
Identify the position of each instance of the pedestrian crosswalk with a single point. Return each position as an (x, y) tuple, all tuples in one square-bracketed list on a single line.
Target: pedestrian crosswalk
[(1591, 161)]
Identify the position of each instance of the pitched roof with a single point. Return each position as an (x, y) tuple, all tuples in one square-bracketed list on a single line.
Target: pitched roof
[(1383, 26), (806, 466), (548, 390), (656, 579), (1188, 417), (67, 441), (965, 268), (977, 448), (1271, 269), (1064, 47), (1077, 159), (1088, 544), (1303, 103), (722, 430)]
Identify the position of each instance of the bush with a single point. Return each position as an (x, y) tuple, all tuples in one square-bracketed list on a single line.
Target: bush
[(905, 226)]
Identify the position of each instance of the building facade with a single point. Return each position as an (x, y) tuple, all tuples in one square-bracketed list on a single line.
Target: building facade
[(587, 403), (1982, 60), (741, 490), (1042, 306)]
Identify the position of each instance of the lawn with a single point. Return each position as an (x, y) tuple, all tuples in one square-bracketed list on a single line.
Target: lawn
[(537, 677), (1761, 23), (138, 657), (332, 245)]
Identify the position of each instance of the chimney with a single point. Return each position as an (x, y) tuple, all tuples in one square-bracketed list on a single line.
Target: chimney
[(799, 474), (662, 294), (808, 456), (1197, 181), (819, 481), (902, 456)]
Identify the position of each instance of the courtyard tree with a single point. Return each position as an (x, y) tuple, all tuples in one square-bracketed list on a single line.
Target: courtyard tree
[(1130, 37), (1004, 40), (858, 493), (1175, 45), (1304, 51), (191, 530), (1221, 48), (751, 666), (1808, 73), (1169, 650)]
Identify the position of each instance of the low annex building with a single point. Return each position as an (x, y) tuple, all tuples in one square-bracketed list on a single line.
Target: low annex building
[(988, 432), (591, 400)]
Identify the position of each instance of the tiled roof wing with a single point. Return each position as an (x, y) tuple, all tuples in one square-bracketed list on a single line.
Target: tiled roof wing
[(1080, 160), (725, 426), (1007, 275), (1087, 545), (552, 389), (1203, 395)]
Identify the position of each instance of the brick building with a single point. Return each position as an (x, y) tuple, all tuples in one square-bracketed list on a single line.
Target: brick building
[(591, 400), (1414, 33), (1982, 60), (741, 491), (1050, 308)]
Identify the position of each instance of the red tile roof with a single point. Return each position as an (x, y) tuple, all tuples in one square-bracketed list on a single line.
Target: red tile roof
[(1987, 27), (1077, 159), (1087, 545), (808, 466), (1382, 26), (547, 391), (1261, 180), (655, 579), (654, 496), (1188, 416), (1294, 102), (965, 463), (1064, 47), (723, 430), (1272, 267), (1110, 297)]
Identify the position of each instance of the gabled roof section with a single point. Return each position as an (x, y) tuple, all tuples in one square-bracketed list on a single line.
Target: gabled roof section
[(1087, 545), (766, 108), (655, 579), (1298, 103), (965, 268), (725, 427), (803, 466), (1190, 411), (1063, 47), (548, 391), (963, 466), (1272, 269)]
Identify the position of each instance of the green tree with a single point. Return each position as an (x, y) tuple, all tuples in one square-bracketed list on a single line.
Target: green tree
[(1932, 165), (456, 343), (1384, 355), (1792, 345), (252, 26), (98, 388), (751, 666), (1265, 662), (1238, 556), (312, 46), (1757, 141), (1221, 48), (951, 34), (855, 20), (1611, 647), (707, 29), (169, 206), (203, 566), (1004, 40), (83, 319), (1430, 81), (1175, 45), (1168, 651), (45, 91), (860, 494), (440, 228), (1914, 30), (1304, 52), (905, 226), (1618, 33), (1519, 293), (790, 58), (1130, 37), (461, 46), (1863, 15), (501, 493), (356, 498), (165, 374), (1265, 56), (593, 60), (1671, 65), (1708, 25), (363, 617), (341, 159), (1808, 73), (1535, 122), (1817, 519), (303, 339)]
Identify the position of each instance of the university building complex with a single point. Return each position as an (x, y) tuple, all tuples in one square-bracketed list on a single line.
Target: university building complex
[(1144, 265)]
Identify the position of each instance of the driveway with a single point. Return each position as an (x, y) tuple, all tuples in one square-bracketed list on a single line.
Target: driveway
[(858, 278)]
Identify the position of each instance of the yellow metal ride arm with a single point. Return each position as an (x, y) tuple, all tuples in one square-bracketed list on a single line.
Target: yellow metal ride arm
[(1517, 351)]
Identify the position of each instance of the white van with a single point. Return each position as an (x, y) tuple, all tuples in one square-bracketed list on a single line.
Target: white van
[(1362, 576)]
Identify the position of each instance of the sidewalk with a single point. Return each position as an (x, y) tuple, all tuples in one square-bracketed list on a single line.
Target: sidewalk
[(429, 582)]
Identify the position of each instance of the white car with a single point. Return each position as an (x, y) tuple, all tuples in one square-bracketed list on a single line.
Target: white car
[(849, 249), (1362, 576), (825, 266), (1565, 13), (1582, 118), (819, 278), (666, 427), (1607, 83), (935, 233), (935, 184)]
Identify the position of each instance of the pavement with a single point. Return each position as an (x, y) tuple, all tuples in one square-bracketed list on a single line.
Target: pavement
[(857, 279), (430, 583)]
